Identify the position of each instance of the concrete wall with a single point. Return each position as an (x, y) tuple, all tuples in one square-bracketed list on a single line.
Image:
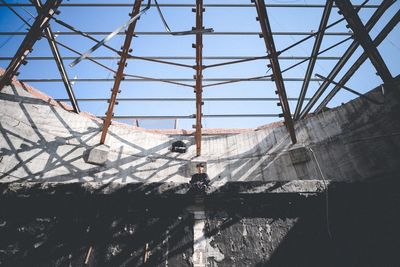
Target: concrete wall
[(41, 142), (267, 205)]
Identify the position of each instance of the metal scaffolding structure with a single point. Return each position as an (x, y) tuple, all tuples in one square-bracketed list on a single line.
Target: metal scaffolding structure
[(346, 56), (359, 35)]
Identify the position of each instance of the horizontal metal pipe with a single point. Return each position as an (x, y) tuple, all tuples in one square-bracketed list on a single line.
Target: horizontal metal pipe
[(348, 89), (178, 99), (178, 58), (161, 80), (320, 52), (165, 117), (185, 5), (205, 33)]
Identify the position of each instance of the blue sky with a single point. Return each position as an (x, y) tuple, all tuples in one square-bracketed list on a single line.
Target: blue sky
[(221, 20)]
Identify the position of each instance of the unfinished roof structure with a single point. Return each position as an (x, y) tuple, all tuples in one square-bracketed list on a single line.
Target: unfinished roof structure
[(299, 189)]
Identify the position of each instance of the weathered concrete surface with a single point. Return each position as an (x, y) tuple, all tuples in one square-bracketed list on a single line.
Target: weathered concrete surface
[(41, 142), (98, 155), (268, 204), (60, 232), (284, 229)]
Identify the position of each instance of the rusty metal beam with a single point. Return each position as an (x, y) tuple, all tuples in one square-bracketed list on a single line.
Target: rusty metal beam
[(135, 78), (182, 99), (173, 117), (234, 5), (357, 64), (34, 33), (119, 76), (363, 38), (59, 61), (214, 58), (346, 56), (199, 9), (276, 70), (154, 33), (317, 44)]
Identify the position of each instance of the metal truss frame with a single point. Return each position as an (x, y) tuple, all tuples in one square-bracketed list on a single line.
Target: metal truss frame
[(46, 13)]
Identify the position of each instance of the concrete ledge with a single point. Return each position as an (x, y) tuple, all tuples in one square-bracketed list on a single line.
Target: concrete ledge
[(25, 189)]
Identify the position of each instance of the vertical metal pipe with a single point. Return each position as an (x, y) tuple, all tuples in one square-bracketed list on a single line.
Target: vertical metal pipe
[(199, 74), (119, 76)]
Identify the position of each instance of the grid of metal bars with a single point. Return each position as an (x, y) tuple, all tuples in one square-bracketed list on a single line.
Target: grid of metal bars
[(360, 33)]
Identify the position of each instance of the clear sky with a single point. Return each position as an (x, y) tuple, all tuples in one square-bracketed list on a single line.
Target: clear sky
[(106, 19)]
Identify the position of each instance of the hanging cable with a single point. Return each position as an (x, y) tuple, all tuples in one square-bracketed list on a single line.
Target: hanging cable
[(111, 35), (12, 36), (268, 70), (328, 228), (62, 23), (168, 29), (238, 80), (27, 11), (16, 13)]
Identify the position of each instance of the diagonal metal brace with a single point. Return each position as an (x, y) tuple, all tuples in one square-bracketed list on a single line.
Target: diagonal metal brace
[(58, 59), (34, 33), (276, 70), (130, 22), (363, 38), (313, 59), (119, 76), (346, 56), (357, 64)]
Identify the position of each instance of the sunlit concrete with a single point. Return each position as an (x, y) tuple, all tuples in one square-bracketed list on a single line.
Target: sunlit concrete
[(41, 142)]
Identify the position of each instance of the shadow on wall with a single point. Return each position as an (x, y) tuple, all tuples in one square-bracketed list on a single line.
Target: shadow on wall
[(260, 230), (292, 230), (33, 152), (364, 225), (61, 232), (65, 156), (43, 143)]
